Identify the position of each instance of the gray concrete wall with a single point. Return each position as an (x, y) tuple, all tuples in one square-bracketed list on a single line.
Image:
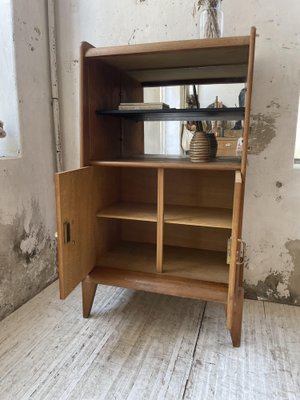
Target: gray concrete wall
[(271, 224), (27, 213)]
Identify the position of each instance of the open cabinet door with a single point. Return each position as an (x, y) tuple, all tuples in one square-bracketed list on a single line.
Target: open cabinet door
[(75, 226), (235, 289)]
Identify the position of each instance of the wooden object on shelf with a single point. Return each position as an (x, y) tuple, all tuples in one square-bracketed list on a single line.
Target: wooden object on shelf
[(233, 133), (199, 147), (143, 106), (226, 147), (159, 224)]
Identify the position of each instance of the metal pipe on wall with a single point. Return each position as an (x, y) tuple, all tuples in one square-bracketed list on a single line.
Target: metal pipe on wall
[(54, 84)]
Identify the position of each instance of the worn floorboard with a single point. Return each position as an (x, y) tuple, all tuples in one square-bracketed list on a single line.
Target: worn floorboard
[(262, 368), (139, 346)]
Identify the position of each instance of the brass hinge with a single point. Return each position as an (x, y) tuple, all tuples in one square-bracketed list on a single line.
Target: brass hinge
[(242, 252), (228, 251), (240, 257)]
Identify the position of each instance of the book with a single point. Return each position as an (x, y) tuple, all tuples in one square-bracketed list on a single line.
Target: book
[(143, 106)]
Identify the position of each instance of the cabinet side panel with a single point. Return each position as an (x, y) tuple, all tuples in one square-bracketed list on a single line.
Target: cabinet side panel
[(248, 100), (103, 139), (84, 104), (75, 226)]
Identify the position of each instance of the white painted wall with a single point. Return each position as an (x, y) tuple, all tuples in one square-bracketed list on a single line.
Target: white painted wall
[(297, 146), (9, 112), (271, 228), (27, 207)]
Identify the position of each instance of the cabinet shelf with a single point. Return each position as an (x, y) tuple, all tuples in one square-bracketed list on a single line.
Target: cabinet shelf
[(173, 214), (204, 265), (149, 161), (130, 211), (162, 284), (174, 114), (198, 216)]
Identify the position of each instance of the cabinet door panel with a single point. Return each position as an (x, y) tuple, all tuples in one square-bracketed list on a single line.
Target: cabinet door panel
[(75, 226), (234, 268)]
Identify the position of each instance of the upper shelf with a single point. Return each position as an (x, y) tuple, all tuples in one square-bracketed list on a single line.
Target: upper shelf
[(178, 62), (174, 114), (149, 161)]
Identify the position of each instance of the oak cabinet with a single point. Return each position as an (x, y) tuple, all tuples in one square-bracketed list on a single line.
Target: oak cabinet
[(158, 224)]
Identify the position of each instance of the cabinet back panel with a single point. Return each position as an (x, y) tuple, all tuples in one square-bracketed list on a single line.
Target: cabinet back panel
[(199, 188), (135, 231), (108, 234), (139, 185), (196, 237), (108, 188), (177, 235)]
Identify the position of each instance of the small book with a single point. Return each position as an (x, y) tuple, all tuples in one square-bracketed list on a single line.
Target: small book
[(143, 106)]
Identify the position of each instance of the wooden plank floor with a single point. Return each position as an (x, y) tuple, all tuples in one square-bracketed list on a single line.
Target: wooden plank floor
[(139, 345)]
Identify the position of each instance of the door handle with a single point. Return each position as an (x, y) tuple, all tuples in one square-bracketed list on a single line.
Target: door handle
[(67, 232)]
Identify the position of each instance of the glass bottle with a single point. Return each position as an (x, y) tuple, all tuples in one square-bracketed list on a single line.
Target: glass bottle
[(211, 20)]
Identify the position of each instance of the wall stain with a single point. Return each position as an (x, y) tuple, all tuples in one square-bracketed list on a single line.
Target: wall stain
[(27, 259), (263, 130), (132, 36), (268, 289), (273, 104), (279, 184), (37, 30), (293, 247)]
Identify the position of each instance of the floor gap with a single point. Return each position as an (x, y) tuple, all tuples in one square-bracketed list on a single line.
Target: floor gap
[(194, 351)]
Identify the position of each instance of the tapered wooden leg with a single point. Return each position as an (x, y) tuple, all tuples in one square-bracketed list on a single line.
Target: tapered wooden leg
[(236, 329), (88, 293)]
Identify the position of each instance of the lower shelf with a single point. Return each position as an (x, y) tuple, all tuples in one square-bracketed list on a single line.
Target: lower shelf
[(192, 273), (160, 283)]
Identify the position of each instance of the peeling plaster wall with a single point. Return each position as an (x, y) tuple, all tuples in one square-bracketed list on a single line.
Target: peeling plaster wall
[(271, 222), (27, 213)]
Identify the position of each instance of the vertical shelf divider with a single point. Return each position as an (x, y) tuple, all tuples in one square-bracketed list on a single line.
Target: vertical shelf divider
[(160, 220)]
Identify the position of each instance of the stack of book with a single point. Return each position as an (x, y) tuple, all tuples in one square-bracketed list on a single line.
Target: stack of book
[(143, 106)]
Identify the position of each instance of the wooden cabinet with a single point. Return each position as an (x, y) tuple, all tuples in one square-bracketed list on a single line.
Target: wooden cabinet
[(154, 223)]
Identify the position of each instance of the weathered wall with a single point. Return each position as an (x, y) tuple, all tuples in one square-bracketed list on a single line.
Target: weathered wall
[(27, 217), (271, 224)]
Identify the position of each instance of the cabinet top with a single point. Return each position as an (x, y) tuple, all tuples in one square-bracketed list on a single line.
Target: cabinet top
[(193, 46), (224, 59)]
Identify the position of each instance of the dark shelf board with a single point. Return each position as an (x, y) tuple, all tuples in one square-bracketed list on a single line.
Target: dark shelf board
[(175, 114), (149, 161)]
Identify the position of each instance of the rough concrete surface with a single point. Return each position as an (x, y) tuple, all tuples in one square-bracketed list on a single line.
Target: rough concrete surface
[(27, 259), (263, 130)]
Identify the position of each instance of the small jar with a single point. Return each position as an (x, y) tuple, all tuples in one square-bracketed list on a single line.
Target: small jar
[(211, 20)]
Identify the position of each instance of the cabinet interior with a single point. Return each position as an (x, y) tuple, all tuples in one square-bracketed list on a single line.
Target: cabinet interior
[(197, 209)]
